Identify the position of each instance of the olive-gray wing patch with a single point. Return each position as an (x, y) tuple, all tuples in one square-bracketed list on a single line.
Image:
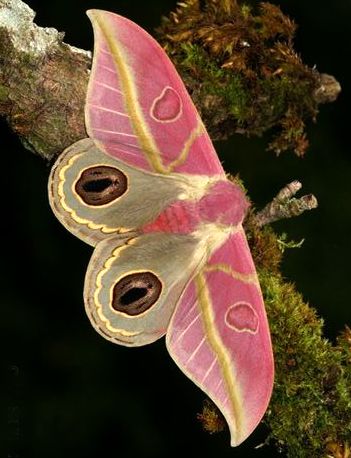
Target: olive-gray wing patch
[(94, 195), (132, 287)]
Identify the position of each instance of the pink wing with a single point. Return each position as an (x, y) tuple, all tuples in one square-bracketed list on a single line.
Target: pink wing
[(220, 339), (137, 107)]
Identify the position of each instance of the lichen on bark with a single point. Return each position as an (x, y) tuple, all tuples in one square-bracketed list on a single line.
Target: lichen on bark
[(43, 82)]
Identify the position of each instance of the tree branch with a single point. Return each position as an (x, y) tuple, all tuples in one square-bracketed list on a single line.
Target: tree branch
[(43, 82), (284, 205)]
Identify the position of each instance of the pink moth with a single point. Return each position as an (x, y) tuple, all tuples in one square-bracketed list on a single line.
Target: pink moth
[(148, 191)]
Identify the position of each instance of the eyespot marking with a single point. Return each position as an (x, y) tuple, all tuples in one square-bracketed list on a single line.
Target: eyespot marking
[(167, 107), (135, 293), (100, 185), (242, 317)]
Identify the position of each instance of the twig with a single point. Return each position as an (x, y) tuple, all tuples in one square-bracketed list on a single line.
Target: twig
[(284, 205), (328, 90)]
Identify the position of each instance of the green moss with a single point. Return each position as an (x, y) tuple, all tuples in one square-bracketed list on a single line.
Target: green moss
[(196, 59), (216, 82), (237, 97), (3, 93), (310, 411), (246, 10), (311, 402), (264, 245)]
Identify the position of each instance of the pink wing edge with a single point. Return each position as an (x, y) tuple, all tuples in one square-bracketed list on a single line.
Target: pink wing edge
[(219, 337), (109, 120)]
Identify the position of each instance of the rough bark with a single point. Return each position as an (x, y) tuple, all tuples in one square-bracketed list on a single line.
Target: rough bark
[(43, 82)]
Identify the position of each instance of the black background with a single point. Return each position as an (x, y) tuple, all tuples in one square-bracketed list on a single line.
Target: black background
[(68, 392)]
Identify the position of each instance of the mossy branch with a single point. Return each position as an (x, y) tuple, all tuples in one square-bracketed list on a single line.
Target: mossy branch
[(243, 72), (215, 45)]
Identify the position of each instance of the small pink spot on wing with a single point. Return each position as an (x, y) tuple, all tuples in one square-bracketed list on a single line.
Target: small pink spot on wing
[(167, 107), (242, 317)]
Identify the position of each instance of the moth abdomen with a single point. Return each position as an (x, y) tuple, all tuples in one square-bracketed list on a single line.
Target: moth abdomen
[(181, 217)]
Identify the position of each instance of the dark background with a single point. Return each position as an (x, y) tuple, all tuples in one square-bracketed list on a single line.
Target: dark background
[(68, 392)]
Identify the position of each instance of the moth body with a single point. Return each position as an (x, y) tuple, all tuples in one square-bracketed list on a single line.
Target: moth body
[(223, 203)]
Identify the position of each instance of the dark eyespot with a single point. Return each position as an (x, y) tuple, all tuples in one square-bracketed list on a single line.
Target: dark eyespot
[(101, 185), (135, 293)]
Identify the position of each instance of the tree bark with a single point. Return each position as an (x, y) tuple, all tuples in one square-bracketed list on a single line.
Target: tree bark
[(43, 82)]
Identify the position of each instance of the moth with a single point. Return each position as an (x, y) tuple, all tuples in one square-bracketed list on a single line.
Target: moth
[(146, 189)]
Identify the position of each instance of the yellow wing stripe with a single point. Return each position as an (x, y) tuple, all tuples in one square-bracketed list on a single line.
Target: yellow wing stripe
[(130, 95), (98, 287), (245, 278), (183, 156), (224, 359)]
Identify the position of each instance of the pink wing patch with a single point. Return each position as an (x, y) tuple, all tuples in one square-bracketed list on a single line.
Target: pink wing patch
[(219, 337), (137, 107)]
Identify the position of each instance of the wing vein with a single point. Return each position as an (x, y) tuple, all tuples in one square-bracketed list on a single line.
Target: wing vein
[(209, 369), (192, 356), (105, 51), (105, 67), (121, 150), (120, 113), (181, 335), (105, 131), (107, 86)]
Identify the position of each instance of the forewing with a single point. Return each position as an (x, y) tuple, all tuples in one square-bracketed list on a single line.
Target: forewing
[(95, 196), (132, 286), (137, 99), (219, 337)]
